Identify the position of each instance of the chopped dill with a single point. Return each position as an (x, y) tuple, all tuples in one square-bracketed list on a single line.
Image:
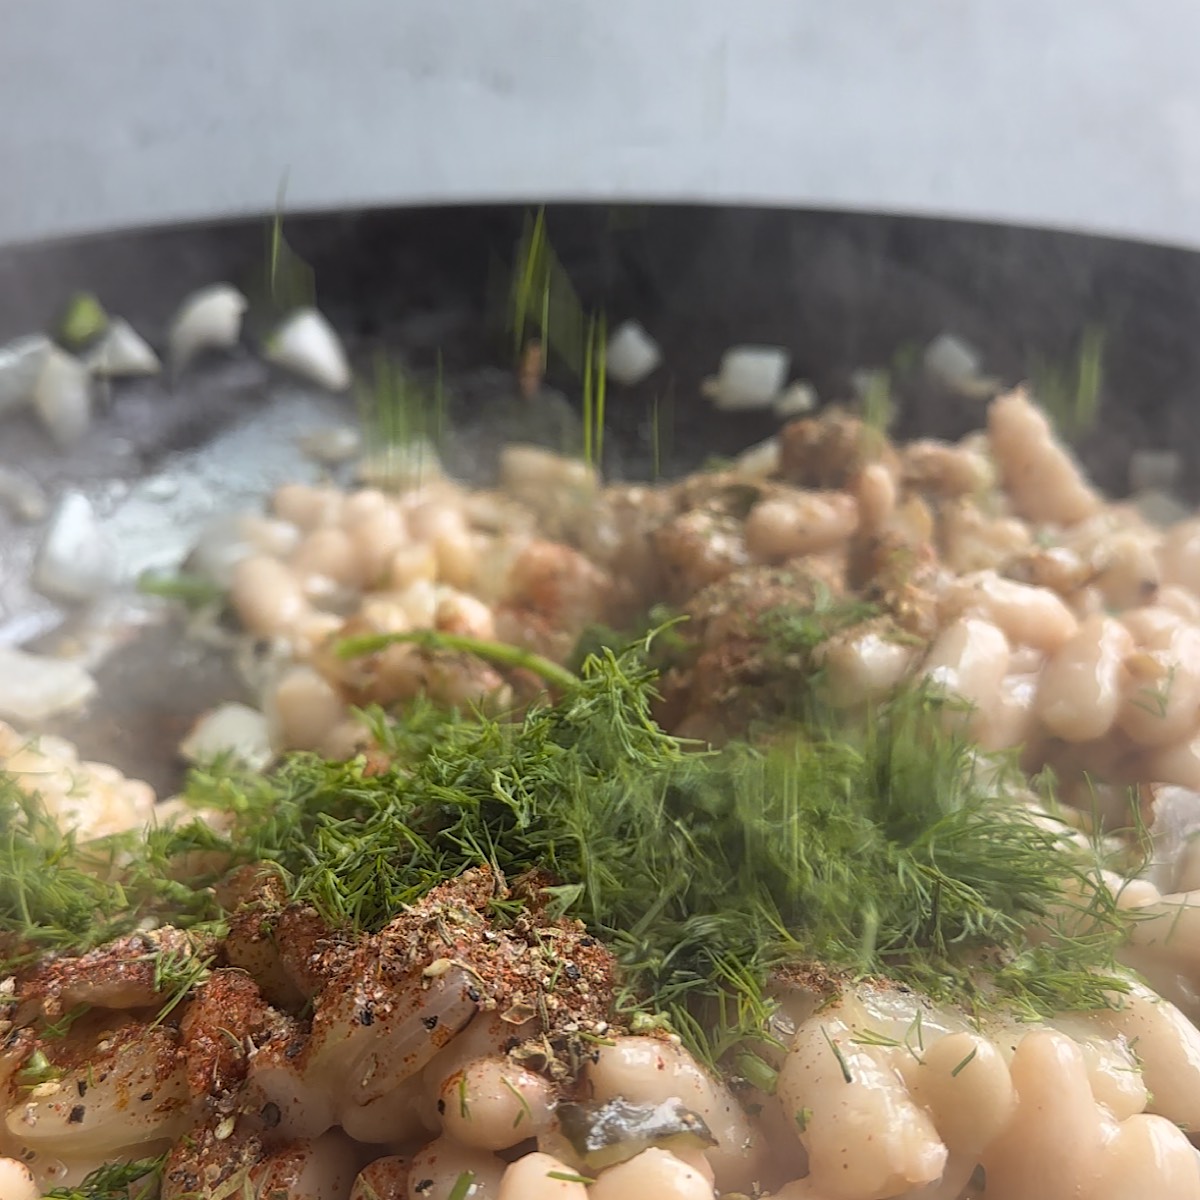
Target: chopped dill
[(874, 847), (137, 1180), (462, 1186)]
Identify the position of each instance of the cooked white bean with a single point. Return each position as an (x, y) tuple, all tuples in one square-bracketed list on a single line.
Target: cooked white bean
[(16, 1181), (652, 1175), (786, 526), (1179, 555), (306, 707), (413, 563), (457, 612), (1168, 1047), (969, 659), (965, 1083), (493, 1104), (327, 553), (1080, 692), (436, 1170), (1179, 600), (540, 1177), (1042, 478), (874, 487), (307, 507), (647, 1071), (267, 596), (376, 535), (862, 665), (384, 1179), (323, 1169), (1050, 1147), (1131, 572), (865, 1137), (1148, 1157), (1161, 701), (1028, 615), (1011, 719)]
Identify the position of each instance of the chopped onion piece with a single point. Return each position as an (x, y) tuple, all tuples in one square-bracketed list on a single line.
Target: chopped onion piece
[(76, 561), (34, 687), (20, 365), (632, 354), (122, 353), (62, 397), (749, 377), (210, 319), (795, 400), (954, 364), (234, 729), (306, 344), (22, 494)]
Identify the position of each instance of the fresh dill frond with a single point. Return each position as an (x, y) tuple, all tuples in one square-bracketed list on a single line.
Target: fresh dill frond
[(290, 282), (193, 591), (1070, 392), (137, 1180)]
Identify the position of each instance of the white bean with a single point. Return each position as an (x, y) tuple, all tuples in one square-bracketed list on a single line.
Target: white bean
[(1179, 555), (652, 1175), (437, 1168), (410, 564), (1148, 1157), (458, 612), (16, 1181), (327, 554), (862, 665), (874, 488), (1168, 1047), (784, 527), (493, 1104), (1028, 615), (1131, 571), (1011, 720), (1179, 600), (267, 596), (306, 707), (648, 1071), (1049, 1149), (323, 1169), (865, 1137), (384, 1179), (1080, 692), (307, 507), (969, 659), (376, 536), (1042, 478), (1161, 699), (540, 1177), (965, 1083)]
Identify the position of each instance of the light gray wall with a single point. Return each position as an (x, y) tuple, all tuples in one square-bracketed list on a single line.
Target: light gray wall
[(1065, 113)]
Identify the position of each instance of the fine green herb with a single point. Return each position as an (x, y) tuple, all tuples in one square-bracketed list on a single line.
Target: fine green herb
[(803, 1116), (116, 1181), (396, 412), (498, 653), (837, 1053), (1154, 698), (570, 1177), (869, 846), (290, 281), (1071, 393), (524, 1112), (964, 1064), (462, 1186), (194, 591)]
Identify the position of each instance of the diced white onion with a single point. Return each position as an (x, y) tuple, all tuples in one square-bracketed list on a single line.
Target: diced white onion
[(20, 365), (306, 344), (210, 319), (122, 353), (22, 494), (953, 363), (76, 561), (632, 354), (795, 400), (233, 729), (749, 377), (62, 397), (34, 687)]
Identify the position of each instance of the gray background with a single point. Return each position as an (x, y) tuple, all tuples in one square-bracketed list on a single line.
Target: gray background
[(1067, 115)]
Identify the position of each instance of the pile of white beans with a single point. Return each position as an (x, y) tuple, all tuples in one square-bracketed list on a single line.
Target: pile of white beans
[(1070, 625)]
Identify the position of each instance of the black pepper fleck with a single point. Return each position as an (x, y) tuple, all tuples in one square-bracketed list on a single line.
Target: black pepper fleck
[(426, 1185), (75, 1116), (366, 1017), (430, 1022), (571, 971), (81, 1087), (474, 994)]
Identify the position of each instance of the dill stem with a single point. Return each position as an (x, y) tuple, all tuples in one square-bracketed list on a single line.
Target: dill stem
[(497, 653)]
